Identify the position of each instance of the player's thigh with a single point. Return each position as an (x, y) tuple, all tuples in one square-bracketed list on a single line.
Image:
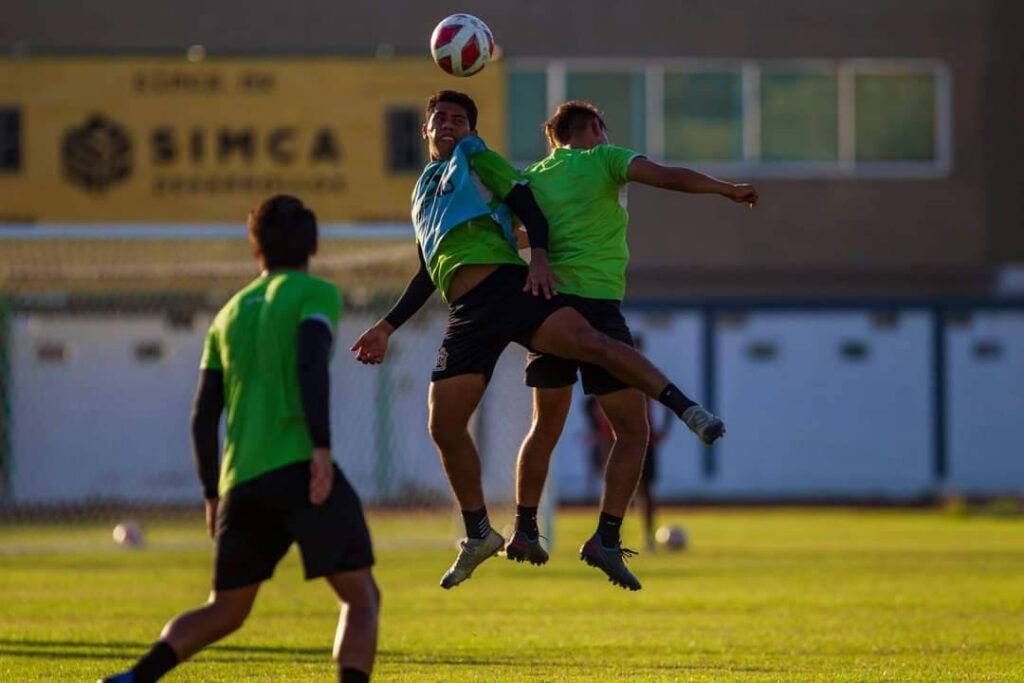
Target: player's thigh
[(452, 401), (606, 318), (562, 333), (627, 413), (333, 537)]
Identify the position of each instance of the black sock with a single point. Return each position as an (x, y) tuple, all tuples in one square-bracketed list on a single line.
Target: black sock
[(526, 521), (160, 659), (350, 675), (608, 529), (675, 400), (477, 523)]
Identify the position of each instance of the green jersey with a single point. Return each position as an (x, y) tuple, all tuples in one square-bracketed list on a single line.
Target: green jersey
[(582, 192), (253, 342), (479, 241)]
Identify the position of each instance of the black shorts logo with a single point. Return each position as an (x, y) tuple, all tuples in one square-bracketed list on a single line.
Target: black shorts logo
[(442, 360), (97, 154)]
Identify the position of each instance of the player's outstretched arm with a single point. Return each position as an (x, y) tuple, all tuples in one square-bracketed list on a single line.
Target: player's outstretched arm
[(541, 279), (681, 179), (373, 343), (206, 410)]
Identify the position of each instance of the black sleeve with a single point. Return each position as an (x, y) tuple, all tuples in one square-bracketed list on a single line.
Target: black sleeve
[(416, 293), (524, 205), (314, 354), (206, 410)]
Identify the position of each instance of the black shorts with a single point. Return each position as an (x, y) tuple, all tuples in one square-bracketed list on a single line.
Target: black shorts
[(553, 372), (258, 520), (482, 322)]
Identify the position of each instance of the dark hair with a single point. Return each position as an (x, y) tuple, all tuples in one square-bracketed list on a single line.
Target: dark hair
[(570, 118), (455, 97), (284, 230)]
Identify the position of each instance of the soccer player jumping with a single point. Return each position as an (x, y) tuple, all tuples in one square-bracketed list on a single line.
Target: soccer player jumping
[(467, 251), (266, 358), (581, 187)]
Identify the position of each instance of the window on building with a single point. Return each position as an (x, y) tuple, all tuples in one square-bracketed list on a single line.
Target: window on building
[(405, 147), (10, 139), (703, 116), (799, 117), (621, 99), (875, 118), (895, 117), (528, 109)]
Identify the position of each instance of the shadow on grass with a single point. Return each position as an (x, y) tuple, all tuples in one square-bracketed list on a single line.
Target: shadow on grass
[(81, 649)]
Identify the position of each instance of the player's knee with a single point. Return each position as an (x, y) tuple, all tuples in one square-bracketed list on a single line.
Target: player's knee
[(364, 598), (546, 431), (632, 432), (443, 433)]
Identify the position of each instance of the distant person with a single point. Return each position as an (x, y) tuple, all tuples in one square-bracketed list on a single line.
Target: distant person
[(580, 187), (599, 440), (649, 473), (266, 358)]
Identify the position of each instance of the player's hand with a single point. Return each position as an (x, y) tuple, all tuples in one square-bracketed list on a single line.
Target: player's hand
[(321, 476), (541, 278), (211, 515), (743, 193), (373, 344)]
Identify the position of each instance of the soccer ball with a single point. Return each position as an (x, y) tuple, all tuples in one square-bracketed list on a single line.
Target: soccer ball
[(672, 537), (128, 535), (461, 44)]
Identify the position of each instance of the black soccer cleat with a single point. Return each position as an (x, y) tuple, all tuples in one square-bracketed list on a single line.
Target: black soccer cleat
[(612, 561), (522, 548), (704, 424)]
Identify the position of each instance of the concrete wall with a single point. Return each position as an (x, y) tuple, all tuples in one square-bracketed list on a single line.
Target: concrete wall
[(818, 404)]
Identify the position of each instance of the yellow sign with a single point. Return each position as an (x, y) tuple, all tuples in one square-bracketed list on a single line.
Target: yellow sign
[(166, 140)]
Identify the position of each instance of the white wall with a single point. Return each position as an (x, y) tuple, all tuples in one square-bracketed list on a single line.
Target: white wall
[(805, 423)]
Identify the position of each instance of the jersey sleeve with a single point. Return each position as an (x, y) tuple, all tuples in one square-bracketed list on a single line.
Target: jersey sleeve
[(323, 303), (617, 160), (495, 172), (211, 352)]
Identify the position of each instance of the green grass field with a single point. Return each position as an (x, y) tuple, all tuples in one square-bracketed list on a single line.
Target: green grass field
[(761, 595)]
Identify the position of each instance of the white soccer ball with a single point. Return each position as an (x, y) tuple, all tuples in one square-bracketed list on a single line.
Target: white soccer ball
[(128, 534), (671, 537), (462, 45)]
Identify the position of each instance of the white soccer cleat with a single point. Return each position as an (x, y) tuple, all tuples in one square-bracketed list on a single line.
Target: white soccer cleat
[(704, 424), (472, 552)]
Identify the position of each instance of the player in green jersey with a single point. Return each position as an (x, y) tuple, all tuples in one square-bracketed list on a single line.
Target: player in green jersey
[(467, 251), (581, 188), (266, 360)]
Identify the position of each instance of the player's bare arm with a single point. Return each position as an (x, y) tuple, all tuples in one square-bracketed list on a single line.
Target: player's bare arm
[(373, 343), (681, 179)]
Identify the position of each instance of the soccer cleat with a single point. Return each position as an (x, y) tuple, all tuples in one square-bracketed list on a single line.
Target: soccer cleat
[(703, 424), (472, 552), (522, 548), (612, 561), (123, 677)]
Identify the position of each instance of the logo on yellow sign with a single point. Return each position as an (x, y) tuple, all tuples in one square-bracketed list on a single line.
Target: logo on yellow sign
[(97, 154)]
